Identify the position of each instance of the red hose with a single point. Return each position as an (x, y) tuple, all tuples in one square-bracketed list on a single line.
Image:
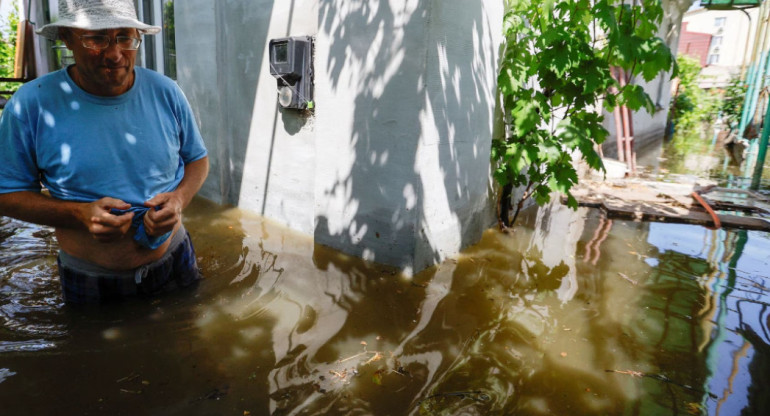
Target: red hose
[(707, 207)]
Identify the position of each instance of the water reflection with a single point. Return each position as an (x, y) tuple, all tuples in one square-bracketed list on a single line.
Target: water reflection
[(698, 154), (572, 314)]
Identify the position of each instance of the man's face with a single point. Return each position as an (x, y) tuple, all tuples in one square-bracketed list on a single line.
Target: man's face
[(105, 72)]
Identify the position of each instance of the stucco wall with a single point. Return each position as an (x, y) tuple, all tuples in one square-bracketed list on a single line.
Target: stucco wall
[(406, 95), (393, 166), (262, 157), (278, 177)]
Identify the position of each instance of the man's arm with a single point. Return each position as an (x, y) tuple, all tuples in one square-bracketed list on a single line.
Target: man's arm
[(172, 203), (95, 216), (195, 174)]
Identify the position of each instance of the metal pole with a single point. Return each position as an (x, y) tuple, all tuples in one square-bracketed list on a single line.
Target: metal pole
[(746, 109), (752, 153), (757, 178)]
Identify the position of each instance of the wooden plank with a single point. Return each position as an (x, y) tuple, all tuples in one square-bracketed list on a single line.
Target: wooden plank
[(659, 202), (680, 216)]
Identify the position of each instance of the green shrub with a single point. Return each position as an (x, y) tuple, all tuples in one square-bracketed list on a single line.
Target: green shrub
[(8, 49), (692, 107), (556, 68)]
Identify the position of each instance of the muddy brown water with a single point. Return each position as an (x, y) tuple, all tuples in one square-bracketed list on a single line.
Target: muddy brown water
[(573, 314)]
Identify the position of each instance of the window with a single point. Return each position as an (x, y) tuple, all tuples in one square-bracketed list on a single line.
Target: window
[(715, 48), (159, 51), (169, 39), (58, 54), (719, 21)]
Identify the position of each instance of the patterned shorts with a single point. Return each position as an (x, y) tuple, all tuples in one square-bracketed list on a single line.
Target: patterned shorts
[(85, 282)]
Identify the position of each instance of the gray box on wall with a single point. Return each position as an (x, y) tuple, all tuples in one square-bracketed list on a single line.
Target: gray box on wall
[(291, 63)]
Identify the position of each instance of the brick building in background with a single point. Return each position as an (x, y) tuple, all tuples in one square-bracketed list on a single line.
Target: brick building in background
[(694, 44), (722, 40)]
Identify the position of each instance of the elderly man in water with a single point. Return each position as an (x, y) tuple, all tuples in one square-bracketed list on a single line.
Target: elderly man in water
[(107, 153)]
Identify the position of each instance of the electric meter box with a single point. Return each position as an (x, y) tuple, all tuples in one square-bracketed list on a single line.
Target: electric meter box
[(291, 63)]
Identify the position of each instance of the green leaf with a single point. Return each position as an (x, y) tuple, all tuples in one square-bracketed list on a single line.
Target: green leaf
[(525, 116), (635, 98), (542, 194), (657, 58), (605, 15), (505, 82), (572, 202)]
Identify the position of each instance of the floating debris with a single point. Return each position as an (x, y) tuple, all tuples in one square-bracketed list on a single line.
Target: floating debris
[(662, 378), (130, 377), (628, 279)]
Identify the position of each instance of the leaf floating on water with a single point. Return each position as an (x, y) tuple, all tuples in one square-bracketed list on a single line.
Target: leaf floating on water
[(377, 377), (695, 409)]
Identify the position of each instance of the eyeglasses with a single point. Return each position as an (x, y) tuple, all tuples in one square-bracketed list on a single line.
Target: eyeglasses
[(100, 42)]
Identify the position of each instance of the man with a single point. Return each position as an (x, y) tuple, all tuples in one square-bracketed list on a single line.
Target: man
[(119, 152)]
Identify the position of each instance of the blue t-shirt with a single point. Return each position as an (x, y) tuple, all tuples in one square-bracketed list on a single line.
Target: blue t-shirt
[(84, 147)]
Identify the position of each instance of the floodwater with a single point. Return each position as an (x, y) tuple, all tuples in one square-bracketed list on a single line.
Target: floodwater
[(573, 314)]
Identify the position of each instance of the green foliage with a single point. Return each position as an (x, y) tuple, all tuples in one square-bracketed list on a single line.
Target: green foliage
[(691, 105), (8, 49), (556, 68), (732, 102)]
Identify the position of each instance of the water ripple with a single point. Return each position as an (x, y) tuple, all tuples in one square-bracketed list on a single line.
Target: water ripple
[(30, 299)]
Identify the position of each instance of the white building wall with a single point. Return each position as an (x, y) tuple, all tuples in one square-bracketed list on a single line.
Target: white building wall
[(407, 109), (737, 41), (393, 165), (278, 174)]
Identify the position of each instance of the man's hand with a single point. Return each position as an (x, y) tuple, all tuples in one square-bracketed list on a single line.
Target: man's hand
[(102, 224), (164, 213)]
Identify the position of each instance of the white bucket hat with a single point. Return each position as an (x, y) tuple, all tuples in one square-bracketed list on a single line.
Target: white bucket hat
[(96, 15)]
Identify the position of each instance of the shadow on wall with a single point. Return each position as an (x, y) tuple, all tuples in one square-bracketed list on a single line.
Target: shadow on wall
[(424, 74), (219, 71)]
